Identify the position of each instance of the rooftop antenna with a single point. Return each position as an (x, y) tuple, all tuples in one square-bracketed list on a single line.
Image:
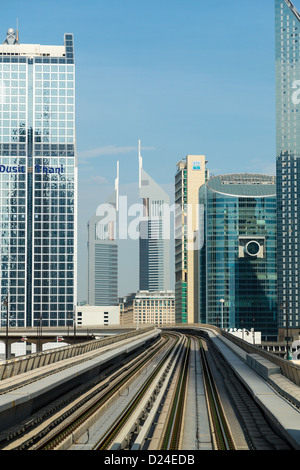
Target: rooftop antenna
[(17, 36), (140, 166), (117, 181)]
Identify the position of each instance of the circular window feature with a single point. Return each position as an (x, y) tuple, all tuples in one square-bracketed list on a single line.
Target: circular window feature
[(252, 248)]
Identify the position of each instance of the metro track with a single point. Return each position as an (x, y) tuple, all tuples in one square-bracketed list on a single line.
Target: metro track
[(221, 433), (153, 417), (255, 426), (56, 422)]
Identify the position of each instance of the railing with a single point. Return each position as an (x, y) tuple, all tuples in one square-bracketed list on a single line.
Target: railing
[(288, 369), (22, 364)]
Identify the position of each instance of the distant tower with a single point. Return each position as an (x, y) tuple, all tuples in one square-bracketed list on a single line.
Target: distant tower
[(191, 175), (154, 259), (287, 42), (103, 253)]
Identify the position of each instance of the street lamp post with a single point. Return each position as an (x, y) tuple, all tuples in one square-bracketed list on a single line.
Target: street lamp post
[(287, 333), (74, 323), (222, 304), (69, 315), (6, 303), (137, 317), (39, 327)]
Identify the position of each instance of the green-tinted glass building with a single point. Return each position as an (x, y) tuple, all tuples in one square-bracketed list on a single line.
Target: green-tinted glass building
[(237, 255), (288, 162)]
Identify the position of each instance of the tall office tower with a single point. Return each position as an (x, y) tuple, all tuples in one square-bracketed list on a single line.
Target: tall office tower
[(288, 164), (38, 182), (191, 174), (237, 253), (103, 252), (154, 257)]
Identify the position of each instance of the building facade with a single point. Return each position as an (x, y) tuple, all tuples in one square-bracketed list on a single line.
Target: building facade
[(191, 174), (288, 164), (103, 252), (154, 241), (237, 256), (38, 182), (90, 315), (148, 308)]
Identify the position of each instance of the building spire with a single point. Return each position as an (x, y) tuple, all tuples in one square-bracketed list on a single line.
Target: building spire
[(17, 36), (140, 165), (293, 9), (117, 181)]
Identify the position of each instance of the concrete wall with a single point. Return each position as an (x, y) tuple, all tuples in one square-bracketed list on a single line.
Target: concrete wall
[(97, 315)]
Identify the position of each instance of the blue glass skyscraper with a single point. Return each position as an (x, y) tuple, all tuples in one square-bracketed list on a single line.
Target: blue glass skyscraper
[(38, 182), (288, 162), (237, 253)]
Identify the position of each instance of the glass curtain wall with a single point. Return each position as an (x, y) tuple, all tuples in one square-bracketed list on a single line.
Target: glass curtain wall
[(238, 261)]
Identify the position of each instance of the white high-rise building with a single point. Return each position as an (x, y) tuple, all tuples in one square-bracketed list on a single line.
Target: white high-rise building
[(154, 257), (103, 252), (38, 182)]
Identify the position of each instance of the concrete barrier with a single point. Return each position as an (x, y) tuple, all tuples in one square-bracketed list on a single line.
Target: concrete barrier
[(19, 365), (262, 366)]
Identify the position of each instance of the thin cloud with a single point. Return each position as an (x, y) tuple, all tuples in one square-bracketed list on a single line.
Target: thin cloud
[(99, 179), (108, 150)]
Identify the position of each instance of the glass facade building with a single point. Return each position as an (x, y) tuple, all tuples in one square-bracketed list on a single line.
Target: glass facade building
[(38, 182), (288, 161), (237, 255), (103, 252), (191, 174), (154, 239)]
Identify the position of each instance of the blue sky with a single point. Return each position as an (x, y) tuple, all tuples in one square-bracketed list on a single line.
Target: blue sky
[(184, 76)]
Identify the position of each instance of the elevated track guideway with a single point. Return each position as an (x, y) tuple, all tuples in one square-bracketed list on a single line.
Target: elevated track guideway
[(178, 394)]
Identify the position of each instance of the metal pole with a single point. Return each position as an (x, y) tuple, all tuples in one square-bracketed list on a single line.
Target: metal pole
[(287, 333), (7, 318), (137, 320), (74, 323), (222, 303)]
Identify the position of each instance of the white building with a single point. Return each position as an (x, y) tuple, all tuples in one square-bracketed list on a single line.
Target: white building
[(97, 315), (148, 308)]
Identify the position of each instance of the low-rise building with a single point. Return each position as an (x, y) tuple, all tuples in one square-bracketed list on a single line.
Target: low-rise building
[(97, 315), (148, 308)]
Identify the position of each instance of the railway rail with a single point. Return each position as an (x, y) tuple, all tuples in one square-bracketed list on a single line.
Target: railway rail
[(17, 381), (153, 415), (221, 433), (56, 422), (122, 433), (258, 432)]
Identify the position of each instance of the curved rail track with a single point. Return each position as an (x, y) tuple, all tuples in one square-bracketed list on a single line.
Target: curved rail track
[(59, 421), (258, 432), (153, 415), (222, 436)]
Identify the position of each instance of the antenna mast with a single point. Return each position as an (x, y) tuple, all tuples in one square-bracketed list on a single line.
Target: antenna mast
[(140, 166)]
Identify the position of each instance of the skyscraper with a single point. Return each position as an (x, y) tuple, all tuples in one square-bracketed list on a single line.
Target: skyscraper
[(288, 161), (154, 257), (103, 253), (191, 175), (38, 182), (237, 256)]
